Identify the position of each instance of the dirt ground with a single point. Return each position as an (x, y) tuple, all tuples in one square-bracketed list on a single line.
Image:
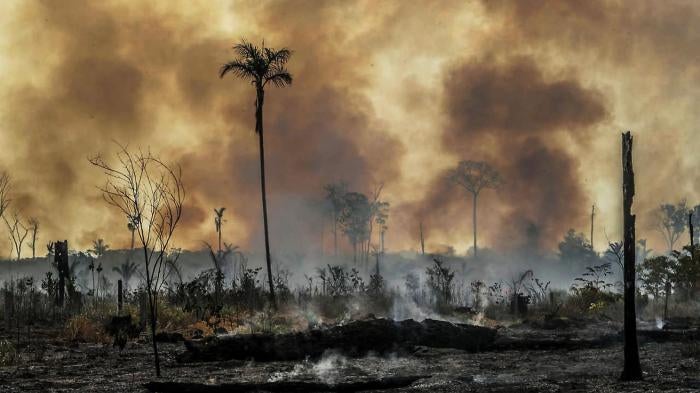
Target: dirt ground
[(52, 366)]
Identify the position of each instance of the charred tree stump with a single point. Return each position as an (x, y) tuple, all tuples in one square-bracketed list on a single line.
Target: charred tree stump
[(632, 370), (692, 233), (61, 262), (120, 299)]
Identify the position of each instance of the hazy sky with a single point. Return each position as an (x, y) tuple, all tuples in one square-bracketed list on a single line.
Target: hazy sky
[(392, 92)]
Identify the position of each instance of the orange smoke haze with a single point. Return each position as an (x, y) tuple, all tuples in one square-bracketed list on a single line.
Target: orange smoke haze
[(391, 92)]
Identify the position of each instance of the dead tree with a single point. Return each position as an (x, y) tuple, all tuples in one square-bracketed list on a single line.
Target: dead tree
[(632, 370), (34, 227), (18, 232), (120, 299), (150, 194), (60, 255), (692, 231)]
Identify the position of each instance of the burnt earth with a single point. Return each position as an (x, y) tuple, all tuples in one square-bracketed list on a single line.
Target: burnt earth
[(50, 365)]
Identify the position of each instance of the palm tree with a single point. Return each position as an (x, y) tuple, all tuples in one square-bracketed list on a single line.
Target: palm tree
[(261, 65), (131, 226), (218, 220), (126, 270), (99, 247)]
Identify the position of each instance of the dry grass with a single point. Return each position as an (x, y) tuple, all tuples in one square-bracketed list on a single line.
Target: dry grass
[(81, 328)]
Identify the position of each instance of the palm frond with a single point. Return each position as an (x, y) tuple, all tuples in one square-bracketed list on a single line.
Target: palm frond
[(238, 68), (247, 50), (280, 79), (277, 56)]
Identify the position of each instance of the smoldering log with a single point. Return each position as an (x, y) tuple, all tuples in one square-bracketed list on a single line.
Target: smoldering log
[(284, 386), (357, 338)]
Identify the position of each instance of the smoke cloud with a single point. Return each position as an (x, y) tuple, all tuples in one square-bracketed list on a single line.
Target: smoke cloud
[(394, 93)]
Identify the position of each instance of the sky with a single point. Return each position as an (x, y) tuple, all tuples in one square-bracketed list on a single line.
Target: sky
[(391, 92)]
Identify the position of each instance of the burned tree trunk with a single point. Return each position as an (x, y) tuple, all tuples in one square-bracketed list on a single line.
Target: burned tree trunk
[(61, 261), (355, 339), (120, 299), (691, 229), (632, 370)]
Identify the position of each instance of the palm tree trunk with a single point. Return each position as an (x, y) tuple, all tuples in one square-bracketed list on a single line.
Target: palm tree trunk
[(474, 221), (259, 130)]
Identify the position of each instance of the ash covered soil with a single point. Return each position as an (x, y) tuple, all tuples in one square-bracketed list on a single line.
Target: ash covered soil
[(49, 365)]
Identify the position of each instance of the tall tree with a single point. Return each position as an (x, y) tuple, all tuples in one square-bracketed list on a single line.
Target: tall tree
[(131, 226), (335, 194), (671, 221), (99, 247), (381, 218), (218, 220), (261, 65), (474, 176), (355, 219), (632, 370), (34, 228)]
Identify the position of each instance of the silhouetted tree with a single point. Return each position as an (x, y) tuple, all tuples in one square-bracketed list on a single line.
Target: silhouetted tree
[(132, 228), (355, 220), (382, 218), (632, 370), (34, 228), (687, 270), (658, 275), (375, 205), (150, 194), (575, 248), (475, 176), (335, 195), (99, 248), (671, 221), (18, 232), (126, 271), (218, 220), (261, 65)]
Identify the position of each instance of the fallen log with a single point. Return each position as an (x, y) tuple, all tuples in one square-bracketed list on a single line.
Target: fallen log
[(284, 386), (357, 338)]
